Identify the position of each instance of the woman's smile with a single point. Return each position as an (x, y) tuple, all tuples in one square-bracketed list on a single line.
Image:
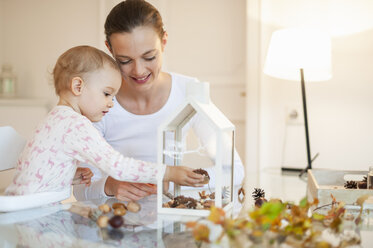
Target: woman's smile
[(141, 80)]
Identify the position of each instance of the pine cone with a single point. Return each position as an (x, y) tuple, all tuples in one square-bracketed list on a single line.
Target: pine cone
[(260, 201), (258, 193), (350, 185)]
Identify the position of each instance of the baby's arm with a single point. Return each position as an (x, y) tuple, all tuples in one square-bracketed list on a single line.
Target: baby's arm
[(83, 176), (87, 145)]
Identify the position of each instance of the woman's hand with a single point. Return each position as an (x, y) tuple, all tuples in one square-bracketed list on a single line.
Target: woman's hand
[(183, 175), (83, 176), (127, 191)]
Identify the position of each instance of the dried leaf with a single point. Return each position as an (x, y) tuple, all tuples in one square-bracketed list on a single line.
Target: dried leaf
[(191, 224), (287, 223), (201, 233), (216, 215), (360, 201)]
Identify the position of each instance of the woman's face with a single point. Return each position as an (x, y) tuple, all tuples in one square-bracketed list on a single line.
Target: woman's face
[(139, 55)]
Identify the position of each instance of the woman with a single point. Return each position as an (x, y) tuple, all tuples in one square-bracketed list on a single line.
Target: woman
[(136, 38)]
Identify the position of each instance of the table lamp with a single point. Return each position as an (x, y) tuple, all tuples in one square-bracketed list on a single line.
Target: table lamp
[(300, 55)]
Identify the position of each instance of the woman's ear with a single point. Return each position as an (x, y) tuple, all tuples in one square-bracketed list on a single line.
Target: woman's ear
[(77, 84), (108, 46), (164, 40)]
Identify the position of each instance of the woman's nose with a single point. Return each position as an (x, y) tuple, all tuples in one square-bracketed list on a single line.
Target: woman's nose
[(110, 104), (138, 68)]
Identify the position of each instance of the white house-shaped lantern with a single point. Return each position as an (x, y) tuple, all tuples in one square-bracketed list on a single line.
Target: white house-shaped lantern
[(218, 146)]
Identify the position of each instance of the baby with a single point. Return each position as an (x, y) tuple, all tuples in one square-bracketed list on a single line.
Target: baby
[(86, 80)]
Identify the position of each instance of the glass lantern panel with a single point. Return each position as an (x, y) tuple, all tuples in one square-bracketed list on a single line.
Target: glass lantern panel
[(227, 156), (183, 146), (195, 154), (170, 153)]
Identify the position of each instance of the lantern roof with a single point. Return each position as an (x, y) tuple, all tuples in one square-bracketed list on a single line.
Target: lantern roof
[(198, 101)]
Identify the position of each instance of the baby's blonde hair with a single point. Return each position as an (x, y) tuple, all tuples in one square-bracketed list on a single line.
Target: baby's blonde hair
[(78, 61)]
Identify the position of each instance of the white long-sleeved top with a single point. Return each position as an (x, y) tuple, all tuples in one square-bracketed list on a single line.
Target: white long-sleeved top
[(60, 143), (136, 136)]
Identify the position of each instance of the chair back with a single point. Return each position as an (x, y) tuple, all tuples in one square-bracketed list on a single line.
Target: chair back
[(11, 146)]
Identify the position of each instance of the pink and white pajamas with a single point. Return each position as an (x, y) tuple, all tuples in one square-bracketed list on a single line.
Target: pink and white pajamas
[(63, 141)]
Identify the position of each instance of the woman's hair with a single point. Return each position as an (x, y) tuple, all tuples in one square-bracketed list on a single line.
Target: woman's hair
[(78, 61), (129, 14)]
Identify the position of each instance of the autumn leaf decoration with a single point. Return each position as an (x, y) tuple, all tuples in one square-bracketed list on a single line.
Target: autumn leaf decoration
[(275, 222)]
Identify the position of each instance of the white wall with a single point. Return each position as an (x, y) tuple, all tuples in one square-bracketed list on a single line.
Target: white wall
[(339, 110), (36, 32), (207, 41)]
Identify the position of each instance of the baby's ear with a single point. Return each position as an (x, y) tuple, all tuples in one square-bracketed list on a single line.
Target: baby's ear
[(77, 84)]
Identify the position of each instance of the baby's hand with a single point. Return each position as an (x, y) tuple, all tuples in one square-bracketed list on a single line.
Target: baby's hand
[(83, 176), (183, 175)]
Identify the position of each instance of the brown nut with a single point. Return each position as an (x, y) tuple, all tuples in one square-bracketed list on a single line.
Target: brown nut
[(133, 207), (120, 211), (118, 205), (104, 208), (206, 180), (116, 221), (203, 172), (165, 205), (102, 221)]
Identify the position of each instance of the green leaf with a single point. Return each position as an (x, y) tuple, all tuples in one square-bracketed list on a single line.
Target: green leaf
[(303, 203), (271, 209), (317, 216)]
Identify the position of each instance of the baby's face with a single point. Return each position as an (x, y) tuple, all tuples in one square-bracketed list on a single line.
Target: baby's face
[(98, 92)]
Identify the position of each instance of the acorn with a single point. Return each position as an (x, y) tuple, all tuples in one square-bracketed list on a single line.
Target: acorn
[(120, 211), (104, 208), (133, 207), (350, 185), (118, 205), (116, 221), (102, 221), (259, 197), (200, 171)]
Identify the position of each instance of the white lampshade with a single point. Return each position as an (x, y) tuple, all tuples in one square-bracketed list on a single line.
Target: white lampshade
[(292, 49)]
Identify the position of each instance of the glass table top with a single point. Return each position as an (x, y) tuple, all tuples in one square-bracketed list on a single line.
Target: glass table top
[(56, 226)]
